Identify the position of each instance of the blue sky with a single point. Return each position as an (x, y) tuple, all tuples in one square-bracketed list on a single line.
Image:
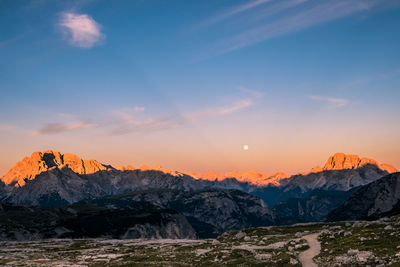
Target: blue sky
[(186, 84)]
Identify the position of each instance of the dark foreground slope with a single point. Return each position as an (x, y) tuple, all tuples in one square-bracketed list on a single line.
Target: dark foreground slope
[(209, 211), (314, 207), (375, 200), (141, 220), (156, 213)]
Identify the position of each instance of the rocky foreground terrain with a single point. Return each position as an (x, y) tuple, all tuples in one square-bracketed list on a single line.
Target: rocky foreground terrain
[(356, 243)]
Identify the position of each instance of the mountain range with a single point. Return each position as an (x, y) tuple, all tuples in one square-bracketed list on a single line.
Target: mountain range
[(210, 204), (29, 167)]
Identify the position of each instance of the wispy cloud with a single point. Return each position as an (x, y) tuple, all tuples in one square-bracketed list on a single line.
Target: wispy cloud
[(81, 30), (364, 80), (11, 40), (280, 18), (57, 127), (135, 119), (331, 101), (230, 12), (127, 120), (254, 94), (220, 111), (139, 119), (146, 125)]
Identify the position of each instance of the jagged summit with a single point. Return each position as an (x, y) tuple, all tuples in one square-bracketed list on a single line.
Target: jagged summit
[(252, 177), (38, 162), (29, 167), (341, 161)]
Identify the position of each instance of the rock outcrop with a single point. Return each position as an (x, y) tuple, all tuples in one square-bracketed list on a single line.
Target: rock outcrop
[(372, 201), (38, 162), (341, 161)]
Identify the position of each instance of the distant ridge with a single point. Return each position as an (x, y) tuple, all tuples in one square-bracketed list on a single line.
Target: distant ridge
[(339, 161), (29, 167), (252, 176), (50, 178)]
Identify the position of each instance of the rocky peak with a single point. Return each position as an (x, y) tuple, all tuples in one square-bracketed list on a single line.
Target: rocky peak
[(125, 168), (341, 161), (252, 177), (29, 167)]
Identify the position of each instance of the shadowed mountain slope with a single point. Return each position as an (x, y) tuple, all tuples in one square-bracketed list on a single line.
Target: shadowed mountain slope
[(141, 220), (53, 179), (375, 200), (209, 211)]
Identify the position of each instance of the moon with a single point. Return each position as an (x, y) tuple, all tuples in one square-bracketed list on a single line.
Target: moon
[(245, 147)]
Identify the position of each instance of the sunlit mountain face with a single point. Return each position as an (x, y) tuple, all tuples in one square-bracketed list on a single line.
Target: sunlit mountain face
[(30, 167), (200, 133)]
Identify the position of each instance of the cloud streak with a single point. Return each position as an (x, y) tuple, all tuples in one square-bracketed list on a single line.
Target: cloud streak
[(333, 102), (58, 128), (220, 111), (231, 12), (81, 30), (127, 120), (137, 119), (281, 18)]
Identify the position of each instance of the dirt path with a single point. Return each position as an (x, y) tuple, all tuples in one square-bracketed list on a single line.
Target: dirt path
[(306, 257)]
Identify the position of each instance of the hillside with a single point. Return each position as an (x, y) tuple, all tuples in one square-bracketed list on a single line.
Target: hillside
[(141, 220), (209, 211), (375, 200)]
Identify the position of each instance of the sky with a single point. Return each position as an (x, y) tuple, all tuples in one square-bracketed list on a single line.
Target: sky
[(188, 84)]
